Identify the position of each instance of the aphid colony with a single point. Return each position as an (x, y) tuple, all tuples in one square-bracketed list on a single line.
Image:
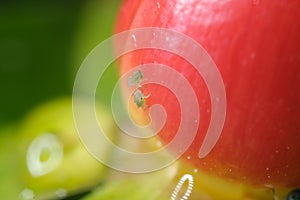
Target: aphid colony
[(135, 80)]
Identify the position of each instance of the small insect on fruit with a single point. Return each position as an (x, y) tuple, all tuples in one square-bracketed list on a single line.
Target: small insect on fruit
[(135, 79), (139, 98)]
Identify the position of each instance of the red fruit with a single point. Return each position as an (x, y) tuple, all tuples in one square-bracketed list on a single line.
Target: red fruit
[(256, 47)]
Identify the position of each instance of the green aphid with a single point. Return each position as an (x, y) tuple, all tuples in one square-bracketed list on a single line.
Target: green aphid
[(139, 98), (135, 79)]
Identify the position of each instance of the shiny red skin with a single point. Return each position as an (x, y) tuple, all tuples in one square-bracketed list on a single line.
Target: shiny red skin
[(256, 47)]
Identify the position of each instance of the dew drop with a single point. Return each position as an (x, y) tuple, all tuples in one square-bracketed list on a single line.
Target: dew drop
[(188, 157), (134, 40), (158, 4), (195, 170)]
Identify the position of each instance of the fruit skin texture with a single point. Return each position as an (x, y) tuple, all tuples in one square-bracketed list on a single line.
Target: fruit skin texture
[(255, 45)]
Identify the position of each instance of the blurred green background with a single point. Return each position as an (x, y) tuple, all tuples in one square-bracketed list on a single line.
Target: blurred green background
[(42, 45)]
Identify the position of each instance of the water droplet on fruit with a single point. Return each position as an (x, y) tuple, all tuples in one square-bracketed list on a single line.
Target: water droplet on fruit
[(288, 148), (268, 176), (134, 40), (188, 157), (267, 168), (158, 4), (195, 170)]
